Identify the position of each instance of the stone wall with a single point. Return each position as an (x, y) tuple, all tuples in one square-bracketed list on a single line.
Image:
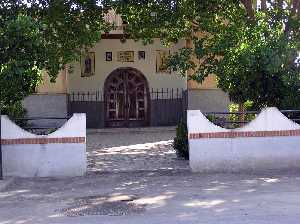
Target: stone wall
[(46, 105), (208, 100)]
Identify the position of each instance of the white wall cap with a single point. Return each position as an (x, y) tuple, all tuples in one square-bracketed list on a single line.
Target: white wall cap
[(270, 119), (74, 127), (9, 130), (197, 122)]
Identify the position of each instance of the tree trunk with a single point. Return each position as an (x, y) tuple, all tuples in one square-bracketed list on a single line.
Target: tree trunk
[(248, 4), (280, 3), (263, 5), (295, 7)]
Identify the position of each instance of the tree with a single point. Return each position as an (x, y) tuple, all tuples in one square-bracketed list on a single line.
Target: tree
[(43, 34), (252, 48)]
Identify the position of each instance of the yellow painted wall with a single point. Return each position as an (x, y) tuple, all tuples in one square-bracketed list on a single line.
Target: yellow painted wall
[(210, 81), (103, 68), (73, 82), (60, 86)]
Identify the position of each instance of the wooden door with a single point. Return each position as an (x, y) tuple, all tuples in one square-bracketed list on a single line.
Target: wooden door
[(126, 99)]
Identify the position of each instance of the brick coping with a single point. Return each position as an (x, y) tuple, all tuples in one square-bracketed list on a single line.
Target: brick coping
[(62, 140), (243, 134)]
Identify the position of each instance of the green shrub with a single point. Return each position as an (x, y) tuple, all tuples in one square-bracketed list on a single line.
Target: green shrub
[(248, 105), (181, 144), (212, 118), (15, 111)]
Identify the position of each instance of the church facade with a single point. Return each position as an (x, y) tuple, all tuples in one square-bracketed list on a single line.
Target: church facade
[(124, 83)]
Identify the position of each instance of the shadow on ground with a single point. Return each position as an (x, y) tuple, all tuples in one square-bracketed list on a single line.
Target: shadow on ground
[(154, 197), (131, 151), (137, 178)]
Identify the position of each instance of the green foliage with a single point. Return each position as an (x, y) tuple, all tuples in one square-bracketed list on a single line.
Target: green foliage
[(212, 118), (252, 51), (43, 35), (234, 108), (180, 62), (14, 111), (21, 44), (254, 61), (155, 19), (181, 144)]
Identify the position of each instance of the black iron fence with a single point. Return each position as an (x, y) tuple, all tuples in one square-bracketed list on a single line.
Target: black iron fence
[(89, 96), (91, 103), (163, 93), (237, 119), (167, 106)]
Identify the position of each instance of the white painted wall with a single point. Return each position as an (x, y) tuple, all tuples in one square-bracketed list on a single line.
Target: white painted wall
[(244, 153), (103, 68), (45, 160)]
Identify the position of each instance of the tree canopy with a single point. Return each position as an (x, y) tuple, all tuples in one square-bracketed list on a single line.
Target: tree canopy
[(252, 47), (43, 34)]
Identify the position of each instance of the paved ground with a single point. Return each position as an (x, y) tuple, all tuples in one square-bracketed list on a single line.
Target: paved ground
[(117, 150), (146, 197), (5, 182), (133, 193)]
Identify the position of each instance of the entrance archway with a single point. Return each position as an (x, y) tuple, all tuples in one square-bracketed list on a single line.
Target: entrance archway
[(126, 97)]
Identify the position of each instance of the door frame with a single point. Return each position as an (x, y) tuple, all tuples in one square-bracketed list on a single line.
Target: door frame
[(127, 122)]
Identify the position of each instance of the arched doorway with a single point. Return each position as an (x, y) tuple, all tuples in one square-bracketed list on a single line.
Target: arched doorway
[(126, 95)]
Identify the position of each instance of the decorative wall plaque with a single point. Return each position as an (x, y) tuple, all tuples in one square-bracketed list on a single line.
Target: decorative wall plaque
[(108, 56), (161, 61), (87, 61), (141, 55), (125, 56)]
